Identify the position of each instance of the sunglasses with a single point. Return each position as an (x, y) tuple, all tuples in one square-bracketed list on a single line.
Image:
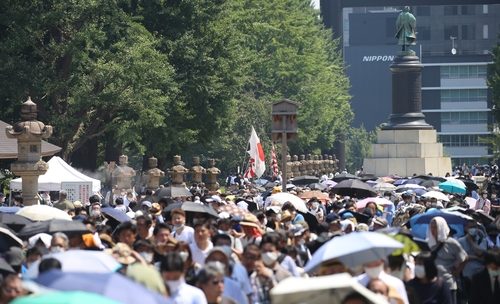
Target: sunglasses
[(251, 256), (217, 281)]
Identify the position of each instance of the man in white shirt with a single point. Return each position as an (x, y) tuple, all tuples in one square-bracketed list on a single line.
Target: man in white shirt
[(181, 232), (375, 270), (202, 245)]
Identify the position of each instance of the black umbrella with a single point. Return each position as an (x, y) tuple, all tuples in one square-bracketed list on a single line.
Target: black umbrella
[(304, 180), (251, 204), (360, 217), (5, 268), (53, 226), (115, 217), (191, 207), (310, 219), (270, 185), (171, 192), (353, 188), (14, 221), (470, 184), (343, 176), (258, 187), (8, 239), (429, 183), (318, 186), (439, 179)]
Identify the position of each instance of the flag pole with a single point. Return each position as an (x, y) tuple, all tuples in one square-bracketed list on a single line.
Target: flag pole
[(283, 156)]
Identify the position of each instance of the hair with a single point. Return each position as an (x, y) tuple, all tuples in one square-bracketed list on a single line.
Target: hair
[(94, 199), (270, 238), (63, 193), (48, 264), (378, 280), (370, 203), (63, 236), (178, 211), (288, 206), (89, 220), (33, 251), (203, 223), (289, 250), (207, 272), (119, 201), (430, 267), (220, 236), (181, 246), (337, 205), (147, 219), (387, 193), (172, 262), (259, 215), (106, 229), (160, 226), (19, 199), (224, 221), (125, 226), (349, 204), (149, 192), (492, 257), (251, 247), (355, 296)]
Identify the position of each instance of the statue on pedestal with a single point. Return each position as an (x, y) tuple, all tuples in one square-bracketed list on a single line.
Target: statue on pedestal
[(303, 165), (289, 165), (123, 174), (153, 174), (326, 164), (406, 24), (212, 173), (296, 166), (197, 171), (177, 172), (310, 163)]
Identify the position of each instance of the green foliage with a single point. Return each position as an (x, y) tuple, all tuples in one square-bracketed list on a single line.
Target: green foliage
[(358, 147), (494, 81)]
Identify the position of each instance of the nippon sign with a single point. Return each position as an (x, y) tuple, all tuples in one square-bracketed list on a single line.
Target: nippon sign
[(379, 58)]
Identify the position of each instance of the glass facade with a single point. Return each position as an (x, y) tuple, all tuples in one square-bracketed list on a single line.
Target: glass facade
[(465, 71), (462, 118), (471, 140), (464, 95)]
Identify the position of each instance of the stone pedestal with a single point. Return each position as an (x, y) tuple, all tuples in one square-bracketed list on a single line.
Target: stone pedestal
[(123, 174), (405, 152), (153, 174), (212, 173), (177, 172), (197, 171)]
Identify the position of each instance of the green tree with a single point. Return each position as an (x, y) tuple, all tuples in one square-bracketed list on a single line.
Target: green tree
[(358, 146), (493, 81)]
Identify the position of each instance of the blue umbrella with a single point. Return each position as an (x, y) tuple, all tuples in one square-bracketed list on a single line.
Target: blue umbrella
[(116, 214), (452, 187), (419, 191), (114, 286), (9, 210), (400, 182), (420, 222)]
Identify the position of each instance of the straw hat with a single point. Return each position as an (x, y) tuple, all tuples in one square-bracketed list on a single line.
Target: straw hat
[(250, 220), (286, 216), (124, 254), (156, 209)]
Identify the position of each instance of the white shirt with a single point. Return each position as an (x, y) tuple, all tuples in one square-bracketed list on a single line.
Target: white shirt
[(187, 235), (363, 279), (243, 205), (199, 255), (187, 294), (240, 275)]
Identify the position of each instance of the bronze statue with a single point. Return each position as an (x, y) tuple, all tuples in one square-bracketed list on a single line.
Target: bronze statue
[(405, 24)]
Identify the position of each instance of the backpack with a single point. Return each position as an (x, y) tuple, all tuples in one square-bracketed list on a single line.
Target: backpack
[(402, 215)]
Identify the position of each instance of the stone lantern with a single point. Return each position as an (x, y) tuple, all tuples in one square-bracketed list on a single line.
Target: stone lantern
[(123, 174), (316, 164), (303, 165), (212, 173), (296, 166), (326, 164), (334, 163), (29, 165), (177, 172), (153, 174), (197, 171), (289, 165), (309, 164)]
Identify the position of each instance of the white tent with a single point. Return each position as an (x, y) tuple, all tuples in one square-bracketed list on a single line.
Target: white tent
[(59, 171)]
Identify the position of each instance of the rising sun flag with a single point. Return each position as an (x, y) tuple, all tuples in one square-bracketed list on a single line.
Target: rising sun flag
[(257, 160)]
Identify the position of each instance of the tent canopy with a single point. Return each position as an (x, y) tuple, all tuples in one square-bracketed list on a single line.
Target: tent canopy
[(59, 171)]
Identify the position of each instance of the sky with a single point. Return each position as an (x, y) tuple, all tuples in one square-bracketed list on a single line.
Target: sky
[(316, 3)]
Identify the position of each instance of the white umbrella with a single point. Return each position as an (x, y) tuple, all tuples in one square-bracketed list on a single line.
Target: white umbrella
[(437, 195), (412, 186), (43, 213), (384, 187), (471, 202), (282, 198), (79, 261), (354, 249), (325, 289), (456, 181)]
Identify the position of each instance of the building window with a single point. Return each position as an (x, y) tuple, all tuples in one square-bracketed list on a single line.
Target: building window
[(464, 118), (451, 10), (424, 32), (464, 95), (485, 9), (423, 10), (485, 31), (468, 10), (464, 71), (450, 31), (468, 32), (346, 25)]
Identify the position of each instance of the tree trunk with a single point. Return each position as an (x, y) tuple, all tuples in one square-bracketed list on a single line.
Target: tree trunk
[(86, 156)]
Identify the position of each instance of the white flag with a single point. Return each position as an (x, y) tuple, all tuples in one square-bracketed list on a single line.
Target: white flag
[(257, 154)]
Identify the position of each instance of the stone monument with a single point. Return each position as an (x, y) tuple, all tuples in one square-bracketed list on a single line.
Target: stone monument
[(29, 165), (197, 171), (310, 163), (123, 174), (177, 172), (296, 166), (289, 165), (212, 173), (407, 144), (303, 165), (153, 174)]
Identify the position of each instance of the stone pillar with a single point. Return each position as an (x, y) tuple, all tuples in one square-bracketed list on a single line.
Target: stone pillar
[(303, 165), (316, 164), (296, 166), (177, 172), (197, 171), (212, 173), (153, 174), (334, 162), (123, 174), (29, 165), (310, 164), (326, 164), (289, 165)]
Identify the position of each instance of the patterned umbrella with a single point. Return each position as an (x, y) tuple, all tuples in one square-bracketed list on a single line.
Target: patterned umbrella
[(234, 210)]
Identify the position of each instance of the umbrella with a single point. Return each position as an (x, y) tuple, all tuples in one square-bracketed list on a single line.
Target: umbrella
[(354, 249), (53, 226), (290, 187), (115, 217), (452, 187), (43, 213), (10, 210), (410, 186), (384, 187), (415, 181), (270, 185), (450, 217), (354, 188), (14, 221), (258, 187), (319, 290), (411, 242), (261, 181), (282, 198), (191, 207), (171, 192), (371, 183), (471, 202), (310, 219), (318, 186), (5, 268), (421, 228), (313, 193), (111, 285), (87, 261), (470, 184), (251, 204), (65, 297), (437, 195), (394, 176), (378, 200), (400, 182), (304, 180), (8, 239), (329, 183), (456, 181), (360, 217), (343, 176), (430, 183), (234, 210), (385, 179)]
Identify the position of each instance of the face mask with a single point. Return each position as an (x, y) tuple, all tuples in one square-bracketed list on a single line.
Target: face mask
[(178, 227), (493, 196), (268, 258), (173, 286), (95, 213), (148, 257), (288, 223), (122, 193), (398, 274), (485, 195), (494, 273), (278, 217), (301, 242), (315, 205), (322, 239), (374, 272), (388, 198), (264, 222), (473, 231), (56, 249), (184, 256), (419, 271)]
